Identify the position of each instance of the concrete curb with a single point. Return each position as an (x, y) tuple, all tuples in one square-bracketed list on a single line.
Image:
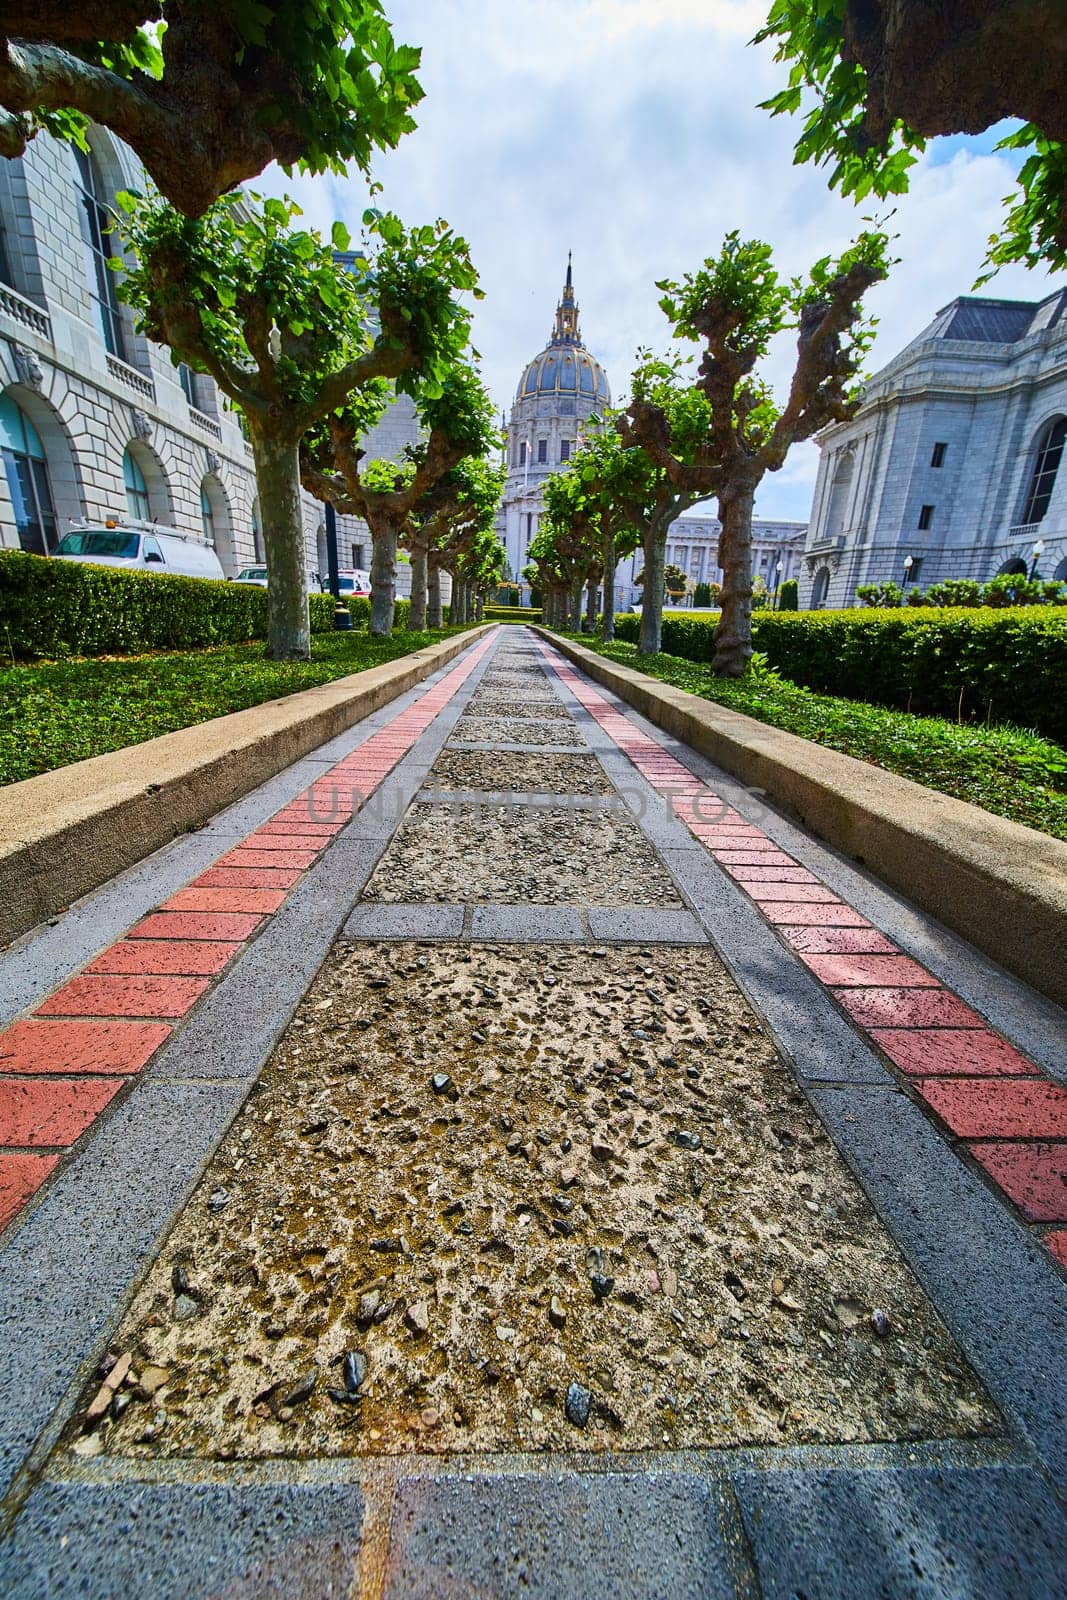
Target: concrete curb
[(999, 884), (66, 832)]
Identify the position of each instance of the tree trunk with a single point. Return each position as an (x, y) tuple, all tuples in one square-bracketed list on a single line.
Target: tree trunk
[(417, 614), (590, 605), (607, 622), (382, 579), (733, 635), (455, 610), (575, 618), (434, 613), (651, 637), (277, 463)]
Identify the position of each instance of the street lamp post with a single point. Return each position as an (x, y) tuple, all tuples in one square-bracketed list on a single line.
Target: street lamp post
[(909, 562), (1036, 554), (777, 581)]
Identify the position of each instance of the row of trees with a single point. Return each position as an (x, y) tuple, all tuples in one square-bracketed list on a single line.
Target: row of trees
[(309, 348), (688, 437), (208, 92)]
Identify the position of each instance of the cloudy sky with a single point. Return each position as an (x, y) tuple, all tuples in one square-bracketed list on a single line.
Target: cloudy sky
[(628, 132)]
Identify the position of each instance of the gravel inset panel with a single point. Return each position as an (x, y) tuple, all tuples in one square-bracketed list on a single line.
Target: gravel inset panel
[(614, 1184), (514, 854), (481, 705), (511, 771), (517, 730)]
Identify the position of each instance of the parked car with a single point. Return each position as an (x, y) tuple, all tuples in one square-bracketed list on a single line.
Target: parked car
[(351, 583), (254, 575), (140, 547)]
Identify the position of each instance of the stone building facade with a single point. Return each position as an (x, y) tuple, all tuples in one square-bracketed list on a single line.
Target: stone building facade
[(693, 545), (560, 390), (950, 468), (95, 421)]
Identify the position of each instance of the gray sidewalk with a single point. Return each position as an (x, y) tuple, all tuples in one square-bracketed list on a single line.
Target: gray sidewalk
[(549, 853)]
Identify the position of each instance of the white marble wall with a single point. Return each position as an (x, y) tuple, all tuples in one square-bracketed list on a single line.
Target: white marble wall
[(987, 403), (88, 406)]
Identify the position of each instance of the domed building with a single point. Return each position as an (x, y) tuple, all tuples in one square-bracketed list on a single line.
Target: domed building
[(560, 389)]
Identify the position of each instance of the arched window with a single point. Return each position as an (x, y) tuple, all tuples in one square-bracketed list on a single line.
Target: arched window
[(1061, 571), (257, 533), (217, 522), (26, 471), (820, 587), (1013, 568), (207, 515), (1046, 465), (840, 490), (137, 502), (97, 229)]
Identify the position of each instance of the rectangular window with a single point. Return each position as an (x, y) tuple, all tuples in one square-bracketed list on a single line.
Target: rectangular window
[(542, 449), (97, 229), (914, 570), (522, 453), (5, 265), (564, 449), (926, 516), (357, 556), (938, 457), (188, 382), (529, 526)]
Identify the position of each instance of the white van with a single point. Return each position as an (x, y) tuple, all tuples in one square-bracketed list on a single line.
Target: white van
[(140, 547)]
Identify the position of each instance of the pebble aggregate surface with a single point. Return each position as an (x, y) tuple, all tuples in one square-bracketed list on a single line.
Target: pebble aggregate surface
[(530, 1198), (510, 854)]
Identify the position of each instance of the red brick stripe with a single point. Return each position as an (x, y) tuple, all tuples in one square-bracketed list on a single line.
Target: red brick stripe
[(57, 1076), (998, 1104)]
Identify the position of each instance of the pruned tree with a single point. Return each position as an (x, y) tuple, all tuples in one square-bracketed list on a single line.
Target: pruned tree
[(209, 92), (652, 497), (736, 303), (604, 476), (875, 79), (569, 524), (459, 420), (445, 526), (289, 334)]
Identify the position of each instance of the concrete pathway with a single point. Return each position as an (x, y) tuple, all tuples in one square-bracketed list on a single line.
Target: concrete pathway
[(137, 1027)]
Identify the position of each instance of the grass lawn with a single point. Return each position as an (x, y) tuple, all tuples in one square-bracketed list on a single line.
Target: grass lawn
[(1005, 770), (56, 712)]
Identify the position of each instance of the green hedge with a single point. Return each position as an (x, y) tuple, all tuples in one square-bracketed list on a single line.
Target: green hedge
[(981, 665), (54, 608), (511, 614)]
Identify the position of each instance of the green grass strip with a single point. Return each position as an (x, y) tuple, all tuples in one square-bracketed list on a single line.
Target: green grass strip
[(57, 712), (1004, 770)]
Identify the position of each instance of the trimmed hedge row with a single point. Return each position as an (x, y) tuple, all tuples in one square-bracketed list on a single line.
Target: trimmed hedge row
[(971, 665), (511, 614), (54, 608)]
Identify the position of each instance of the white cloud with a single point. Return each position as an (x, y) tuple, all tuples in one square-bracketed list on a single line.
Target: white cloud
[(629, 131)]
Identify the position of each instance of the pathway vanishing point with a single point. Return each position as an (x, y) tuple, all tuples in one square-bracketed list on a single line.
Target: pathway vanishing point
[(502, 1157)]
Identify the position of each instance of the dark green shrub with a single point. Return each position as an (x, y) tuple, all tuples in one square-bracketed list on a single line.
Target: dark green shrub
[(789, 595), (54, 608), (702, 596), (972, 664), (509, 613), (968, 663), (915, 597), (955, 592)]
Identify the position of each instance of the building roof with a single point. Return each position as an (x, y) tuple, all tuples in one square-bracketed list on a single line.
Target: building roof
[(984, 321), (565, 367)]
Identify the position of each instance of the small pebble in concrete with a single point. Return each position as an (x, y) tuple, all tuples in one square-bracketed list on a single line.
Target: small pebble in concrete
[(577, 1404)]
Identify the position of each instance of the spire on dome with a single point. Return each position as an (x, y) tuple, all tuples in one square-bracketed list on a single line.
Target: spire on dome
[(566, 330)]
